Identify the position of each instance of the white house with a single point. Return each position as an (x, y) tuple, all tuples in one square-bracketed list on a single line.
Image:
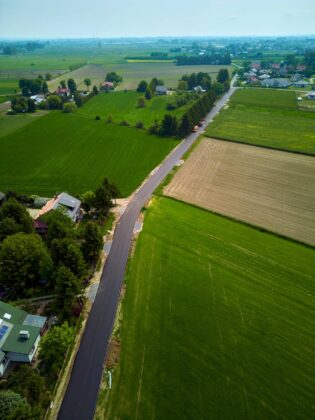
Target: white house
[(311, 95)]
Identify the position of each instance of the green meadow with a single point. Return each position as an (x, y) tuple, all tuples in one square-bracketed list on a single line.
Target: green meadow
[(217, 322), (123, 106), (267, 118), (70, 152)]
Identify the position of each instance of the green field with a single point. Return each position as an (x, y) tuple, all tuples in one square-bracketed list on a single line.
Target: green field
[(217, 322), (123, 106), (70, 152), (11, 123), (266, 118)]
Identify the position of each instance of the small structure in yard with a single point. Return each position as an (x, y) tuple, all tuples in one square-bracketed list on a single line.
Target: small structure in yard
[(40, 227), (161, 90), (65, 92), (69, 204), (199, 89), (107, 86), (311, 95), (20, 334)]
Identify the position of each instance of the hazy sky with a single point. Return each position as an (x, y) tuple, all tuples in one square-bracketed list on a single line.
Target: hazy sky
[(123, 18)]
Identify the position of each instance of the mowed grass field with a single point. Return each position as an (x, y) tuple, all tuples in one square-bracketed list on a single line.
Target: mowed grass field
[(123, 106), (267, 118), (217, 322), (69, 152), (267, 188)]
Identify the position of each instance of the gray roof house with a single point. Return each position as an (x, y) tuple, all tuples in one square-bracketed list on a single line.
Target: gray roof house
[(161, 90), (69, 204), (199, 89), (311, 95), (20, 334), (301, 84), (276, 83)]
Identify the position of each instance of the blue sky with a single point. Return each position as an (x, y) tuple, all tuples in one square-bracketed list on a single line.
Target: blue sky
[(124, 18)]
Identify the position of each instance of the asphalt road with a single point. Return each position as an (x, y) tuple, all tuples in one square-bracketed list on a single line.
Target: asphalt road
[(81, 395)]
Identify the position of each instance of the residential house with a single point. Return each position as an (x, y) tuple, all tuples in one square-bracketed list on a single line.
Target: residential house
[(107, 86), (161, 90), (20, 334), (296, 77), (69, 204), (301, 68), (311, 95), (264, 76), (255, 66), (38, 99), (276, 83), (301, 84), (65, 92)]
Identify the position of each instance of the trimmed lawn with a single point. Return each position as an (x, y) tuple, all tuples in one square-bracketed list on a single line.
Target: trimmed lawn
[(123, 106), (250, 119), (69, 152), (217, 322)]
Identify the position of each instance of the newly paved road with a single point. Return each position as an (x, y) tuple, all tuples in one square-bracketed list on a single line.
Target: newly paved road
[(81, 396)]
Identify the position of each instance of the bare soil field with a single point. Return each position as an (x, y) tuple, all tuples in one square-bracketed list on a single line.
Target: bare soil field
[(266, 188)]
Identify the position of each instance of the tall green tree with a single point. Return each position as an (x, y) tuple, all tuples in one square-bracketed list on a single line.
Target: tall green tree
[(148, 94), (24, 260), (67, 252), (142, 87), (223, 76), (67, 288), (17, 212), (59, 226), (92, 243), (72, 86), (168, 126), (53, 348), (9, 402), (87, 83)]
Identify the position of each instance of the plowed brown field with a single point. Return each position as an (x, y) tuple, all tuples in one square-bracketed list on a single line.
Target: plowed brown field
[(266, 188)]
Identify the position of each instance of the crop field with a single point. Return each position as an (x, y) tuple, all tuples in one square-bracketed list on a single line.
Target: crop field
[(11, 123), (95, 72), (267, 118), (123, 106), (133, 73), (267, 188), (217, 322), (69, 152)]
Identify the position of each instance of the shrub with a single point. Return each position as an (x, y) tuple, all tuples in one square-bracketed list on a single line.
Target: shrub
[(54, 102), (124, 123), (139, 124), (69, 107), (97, 118)]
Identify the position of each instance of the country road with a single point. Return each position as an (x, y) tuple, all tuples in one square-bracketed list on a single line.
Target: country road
[(81, 395)]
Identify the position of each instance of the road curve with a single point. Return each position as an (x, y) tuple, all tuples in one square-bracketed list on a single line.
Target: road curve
[(80, 399)]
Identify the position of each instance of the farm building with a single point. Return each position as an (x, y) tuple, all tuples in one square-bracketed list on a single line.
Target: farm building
[(38, 99), (20, 335), (311, 95), (276, 83), (107, 86), (64, 201), (62, 92), (161, 90)]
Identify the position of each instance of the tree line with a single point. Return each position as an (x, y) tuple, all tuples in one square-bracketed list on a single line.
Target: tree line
[(186, 60)]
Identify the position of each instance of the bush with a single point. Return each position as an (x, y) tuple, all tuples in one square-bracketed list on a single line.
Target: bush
[(97, 118), (54, 102), (124, 123), (139, 124), (9, 402), (69, 107), (110, 119)]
